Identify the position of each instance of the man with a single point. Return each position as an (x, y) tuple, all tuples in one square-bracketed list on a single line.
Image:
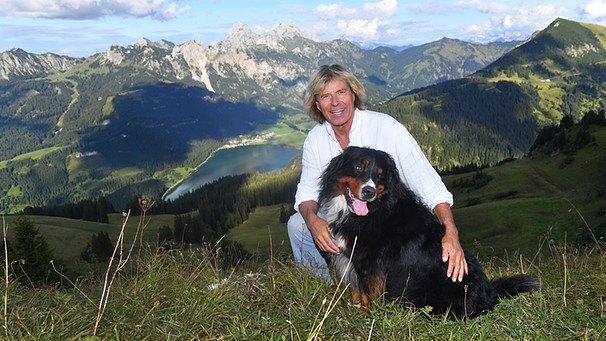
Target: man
[(335, 99)]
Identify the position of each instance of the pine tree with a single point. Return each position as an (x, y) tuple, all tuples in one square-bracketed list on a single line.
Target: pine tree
[(31, 253), (99, 249)]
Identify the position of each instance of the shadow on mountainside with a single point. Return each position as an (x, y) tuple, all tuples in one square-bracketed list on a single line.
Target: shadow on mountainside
[(156, 123)]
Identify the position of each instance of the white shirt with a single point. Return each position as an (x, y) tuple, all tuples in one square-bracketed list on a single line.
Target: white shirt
[(379, 131)]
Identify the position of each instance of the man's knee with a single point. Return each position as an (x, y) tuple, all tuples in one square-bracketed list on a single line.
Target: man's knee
[(295, 225)]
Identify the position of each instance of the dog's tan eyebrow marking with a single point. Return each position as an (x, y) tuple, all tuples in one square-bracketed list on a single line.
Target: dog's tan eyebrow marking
[(365, 162), (380, 189), (380, 170)]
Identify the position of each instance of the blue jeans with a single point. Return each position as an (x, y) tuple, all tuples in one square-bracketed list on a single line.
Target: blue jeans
[(304, 249)]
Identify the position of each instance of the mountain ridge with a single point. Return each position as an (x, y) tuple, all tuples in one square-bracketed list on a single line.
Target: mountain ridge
[(186, 100), (252, 55), (501, 107), (19, 64)]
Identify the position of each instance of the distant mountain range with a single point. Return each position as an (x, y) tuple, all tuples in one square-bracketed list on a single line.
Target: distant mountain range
[(130, 120), (496, 112), (271, 67)]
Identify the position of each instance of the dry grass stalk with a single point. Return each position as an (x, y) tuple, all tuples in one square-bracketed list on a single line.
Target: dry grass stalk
[(71, 282), (565, 273), (5, 314), (108, 282), (336, 297), (145, 205)]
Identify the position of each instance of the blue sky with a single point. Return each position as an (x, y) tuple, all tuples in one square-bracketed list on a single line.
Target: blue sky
[(81, 28)]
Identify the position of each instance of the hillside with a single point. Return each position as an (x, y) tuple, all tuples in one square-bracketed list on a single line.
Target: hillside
[(552, 195), (132, 120), (523, 216), (556, 193), (496, 113), (543, 213)]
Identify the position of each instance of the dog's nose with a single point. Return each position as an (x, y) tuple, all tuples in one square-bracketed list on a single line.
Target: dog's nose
[(368, 192)]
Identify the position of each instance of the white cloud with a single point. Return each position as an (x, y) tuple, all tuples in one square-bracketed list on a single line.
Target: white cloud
[(334, 12), (92, 9), (361, 28), (595, 9), (508, 21), (483, 6), (363, 24), (382, 9), (173, 10)]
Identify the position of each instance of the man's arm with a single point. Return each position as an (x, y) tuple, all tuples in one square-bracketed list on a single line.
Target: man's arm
[(317, 226), (451, 247)]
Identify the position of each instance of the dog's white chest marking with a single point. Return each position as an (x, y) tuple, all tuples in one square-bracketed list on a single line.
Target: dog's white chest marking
[(339, 242), (335, 210)]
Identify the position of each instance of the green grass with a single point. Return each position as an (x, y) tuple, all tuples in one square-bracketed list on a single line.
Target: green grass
[(551, 93), (524, 220), (262, 234), (35, 155), (166, 295), (169, 298), (531, 201), (15, 191), (68, 237), (126, 172), (286, 135)]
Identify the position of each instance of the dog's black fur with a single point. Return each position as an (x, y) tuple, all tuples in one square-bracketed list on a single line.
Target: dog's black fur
[(396, 245)]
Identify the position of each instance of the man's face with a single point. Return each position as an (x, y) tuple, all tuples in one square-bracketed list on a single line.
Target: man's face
[(337, 103)]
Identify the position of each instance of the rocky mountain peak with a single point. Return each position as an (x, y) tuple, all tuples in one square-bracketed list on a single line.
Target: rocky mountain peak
[(114, 54), (285, 31), (16, 63), (242, 37), (289, 29), (161, 44)]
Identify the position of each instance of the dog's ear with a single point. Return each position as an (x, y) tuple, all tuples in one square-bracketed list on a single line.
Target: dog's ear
[(335, 166), (392, 175), (388, 164)]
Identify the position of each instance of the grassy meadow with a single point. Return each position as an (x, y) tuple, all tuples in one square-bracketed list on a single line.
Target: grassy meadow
[(520, 217), (67, 237), (262, 234), (184, 295)]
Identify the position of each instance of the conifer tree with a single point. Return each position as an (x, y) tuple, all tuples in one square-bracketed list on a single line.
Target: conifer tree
[(31, 254), (99, 249)]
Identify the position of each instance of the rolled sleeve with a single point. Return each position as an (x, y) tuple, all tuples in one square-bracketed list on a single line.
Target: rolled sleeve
[(308, 187), (318, 149), (414, 168)]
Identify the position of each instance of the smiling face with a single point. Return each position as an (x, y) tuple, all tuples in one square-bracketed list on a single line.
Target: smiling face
[(337, 103)]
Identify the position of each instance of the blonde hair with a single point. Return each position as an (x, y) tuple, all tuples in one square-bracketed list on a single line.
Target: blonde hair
[(318, 81)]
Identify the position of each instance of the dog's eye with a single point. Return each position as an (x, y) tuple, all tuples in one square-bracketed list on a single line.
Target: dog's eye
[(362, 165)]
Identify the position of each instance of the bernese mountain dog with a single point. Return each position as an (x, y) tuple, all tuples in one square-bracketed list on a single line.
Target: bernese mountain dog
[(391, 243)]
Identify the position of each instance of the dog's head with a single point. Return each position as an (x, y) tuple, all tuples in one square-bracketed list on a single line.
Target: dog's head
[(364, 176)]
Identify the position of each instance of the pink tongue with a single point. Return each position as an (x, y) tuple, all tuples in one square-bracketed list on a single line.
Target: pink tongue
[(360, 207)]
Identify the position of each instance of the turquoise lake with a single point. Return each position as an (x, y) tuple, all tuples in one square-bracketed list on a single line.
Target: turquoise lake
[(234, 161)]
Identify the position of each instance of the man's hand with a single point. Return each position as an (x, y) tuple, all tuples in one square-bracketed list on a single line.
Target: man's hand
[(318, 227), (452, 252), (322, 235)]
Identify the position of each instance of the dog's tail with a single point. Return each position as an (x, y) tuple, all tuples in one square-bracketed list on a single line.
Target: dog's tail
[(511, 286)]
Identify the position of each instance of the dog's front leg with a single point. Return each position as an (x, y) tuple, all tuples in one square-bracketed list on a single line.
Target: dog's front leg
[(373, 289)]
